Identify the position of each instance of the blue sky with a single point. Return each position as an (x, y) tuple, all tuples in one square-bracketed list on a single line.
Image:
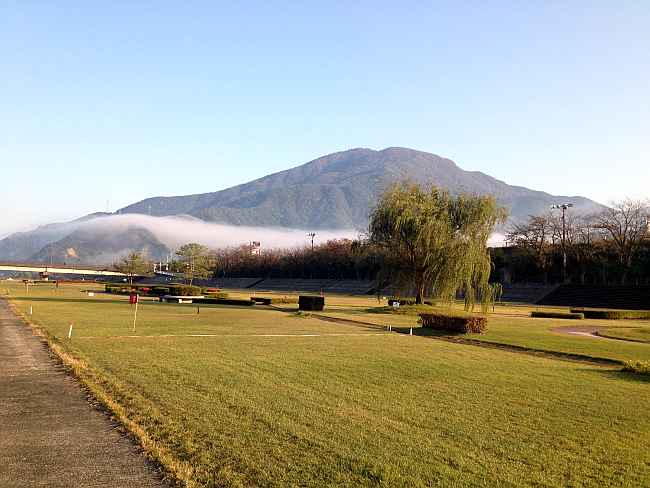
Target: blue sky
[(115, 101)]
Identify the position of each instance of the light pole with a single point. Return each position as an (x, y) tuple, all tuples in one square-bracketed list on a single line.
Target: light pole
[(564, 207), (312, 235)]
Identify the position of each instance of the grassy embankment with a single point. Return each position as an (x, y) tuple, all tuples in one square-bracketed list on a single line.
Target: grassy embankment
[(225, 397)]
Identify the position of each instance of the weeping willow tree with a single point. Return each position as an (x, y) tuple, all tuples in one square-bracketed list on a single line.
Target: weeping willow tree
[(436, 242)]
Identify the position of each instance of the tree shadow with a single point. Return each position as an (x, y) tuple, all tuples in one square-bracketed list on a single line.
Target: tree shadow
[(618, 374), (427, 332)]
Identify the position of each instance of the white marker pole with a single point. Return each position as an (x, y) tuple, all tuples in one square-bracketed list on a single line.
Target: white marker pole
[(135, 314), (31, 310), (70, 331), (411, 331)]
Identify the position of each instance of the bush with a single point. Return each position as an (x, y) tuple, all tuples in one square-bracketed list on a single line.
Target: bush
[(638, 367), (407, 301), (309, 302), (214, 294), (184, 290), (453, 322), (557, 315), (224, 301), (262, 300), (608, 314)]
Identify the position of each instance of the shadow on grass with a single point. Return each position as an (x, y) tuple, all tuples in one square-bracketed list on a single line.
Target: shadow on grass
[(619, 374), (427, 332)]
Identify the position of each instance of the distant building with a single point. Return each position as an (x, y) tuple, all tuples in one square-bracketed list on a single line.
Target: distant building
[(255, 248)]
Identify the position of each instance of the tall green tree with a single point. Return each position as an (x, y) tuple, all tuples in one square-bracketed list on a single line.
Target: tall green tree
[(135, 264), (435, 241), (194, 261)]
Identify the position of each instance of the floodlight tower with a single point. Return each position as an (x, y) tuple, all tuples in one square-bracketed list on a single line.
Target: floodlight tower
[(564, 207), (312, 235)]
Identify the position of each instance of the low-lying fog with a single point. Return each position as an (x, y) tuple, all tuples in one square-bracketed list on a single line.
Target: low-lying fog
[(176, 231)]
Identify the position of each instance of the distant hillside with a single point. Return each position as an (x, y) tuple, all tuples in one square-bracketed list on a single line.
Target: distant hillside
[(21, 246), (101, 245), (337, 191)]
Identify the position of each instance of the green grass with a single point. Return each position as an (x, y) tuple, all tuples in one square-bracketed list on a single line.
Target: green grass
[(249, 406), (640, 334), (512, 325)]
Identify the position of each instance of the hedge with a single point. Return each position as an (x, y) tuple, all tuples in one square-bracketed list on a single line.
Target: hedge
[(407, 301), (612, 314), (557, 315), (309, 302), (154, 290), (224, 301), (262, 300), (452, 322), (638, 367)]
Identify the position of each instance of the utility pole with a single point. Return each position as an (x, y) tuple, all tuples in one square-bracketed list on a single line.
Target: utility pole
[(564, 207), (312, 235)]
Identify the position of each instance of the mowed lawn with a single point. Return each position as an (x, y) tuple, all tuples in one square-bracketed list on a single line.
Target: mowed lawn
[(512, 325), (264, 398)]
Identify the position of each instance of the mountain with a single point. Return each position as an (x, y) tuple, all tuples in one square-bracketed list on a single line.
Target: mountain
[(22, 246), (337, 191)]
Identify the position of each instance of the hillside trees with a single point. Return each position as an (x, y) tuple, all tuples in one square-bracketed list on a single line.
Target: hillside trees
[(435, 241)]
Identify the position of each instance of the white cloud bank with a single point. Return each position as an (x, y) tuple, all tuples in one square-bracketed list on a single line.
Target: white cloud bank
[(179, 230)]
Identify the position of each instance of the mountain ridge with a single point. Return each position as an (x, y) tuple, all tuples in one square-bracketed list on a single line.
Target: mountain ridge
[(335, 191), (337, 183)]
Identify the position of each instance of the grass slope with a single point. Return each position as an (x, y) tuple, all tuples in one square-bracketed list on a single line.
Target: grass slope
[(243, 409)]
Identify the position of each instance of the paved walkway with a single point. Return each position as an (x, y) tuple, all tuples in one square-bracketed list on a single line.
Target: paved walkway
[(50, 436)]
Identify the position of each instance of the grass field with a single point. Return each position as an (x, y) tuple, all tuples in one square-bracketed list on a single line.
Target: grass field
[(260, 397)]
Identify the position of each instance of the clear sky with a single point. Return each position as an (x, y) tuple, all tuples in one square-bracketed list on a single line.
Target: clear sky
[(118, 101)]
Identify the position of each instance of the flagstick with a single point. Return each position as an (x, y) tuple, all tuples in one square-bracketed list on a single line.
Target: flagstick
[(135, 314)]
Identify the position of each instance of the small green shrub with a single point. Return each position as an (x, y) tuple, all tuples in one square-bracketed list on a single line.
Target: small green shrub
[(608, 314), (637, 367), (407, 301), (224, 301), (262, 300), (454, 322), (557, 315), (184, 290), (310, 302)]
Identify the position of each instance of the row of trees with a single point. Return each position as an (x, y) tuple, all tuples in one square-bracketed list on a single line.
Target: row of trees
[(422, 241), (426, 242), (610, 247)]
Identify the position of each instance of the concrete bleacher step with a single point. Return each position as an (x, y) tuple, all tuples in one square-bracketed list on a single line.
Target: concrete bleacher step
[(592, 296)]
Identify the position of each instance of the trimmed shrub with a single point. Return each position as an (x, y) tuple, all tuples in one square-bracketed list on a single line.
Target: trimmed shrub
[(214, 294), (311, 303), (407, 301), (557, 315), (184, 290), (453, 322), (262, 300), (224, 301), (638, 367), (608, 314)]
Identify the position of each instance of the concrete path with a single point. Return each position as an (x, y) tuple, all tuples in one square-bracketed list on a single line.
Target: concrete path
[(50, 436)]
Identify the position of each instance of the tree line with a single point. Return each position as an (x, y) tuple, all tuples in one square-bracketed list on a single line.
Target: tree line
[(426, 242), (610, 247)]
